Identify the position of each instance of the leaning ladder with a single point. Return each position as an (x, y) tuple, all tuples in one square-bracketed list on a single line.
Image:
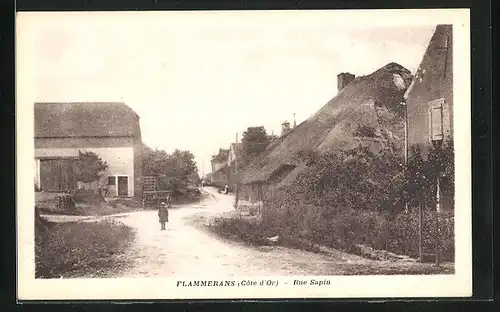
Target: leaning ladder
[(149, 191)]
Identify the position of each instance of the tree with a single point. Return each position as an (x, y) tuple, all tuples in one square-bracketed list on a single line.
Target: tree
[(173, 170), (422, 173), (89, 167), (155, 162), (254, 141), (181, 164), (358, 179)]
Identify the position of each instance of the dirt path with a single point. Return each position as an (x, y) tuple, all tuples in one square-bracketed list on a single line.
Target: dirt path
[(184, 250)]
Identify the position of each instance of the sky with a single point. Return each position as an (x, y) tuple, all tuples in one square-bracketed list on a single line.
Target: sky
[(198, 78)]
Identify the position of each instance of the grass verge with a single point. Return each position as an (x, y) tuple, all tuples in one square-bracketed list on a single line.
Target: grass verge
[(86, 205), (253, 232), (89, 204), (92, 249)]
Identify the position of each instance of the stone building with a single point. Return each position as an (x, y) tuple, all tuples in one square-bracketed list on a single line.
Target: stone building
[(429, 98), (110, 130)]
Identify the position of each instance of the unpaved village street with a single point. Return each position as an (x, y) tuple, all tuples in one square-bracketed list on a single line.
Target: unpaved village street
[(188, 249), (185, 250)]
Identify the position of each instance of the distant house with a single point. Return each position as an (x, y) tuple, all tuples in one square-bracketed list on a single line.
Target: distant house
[(220, 168), (234, 153), (208, 177), (429, 98), (110, 130), (219, 160), (234, 159)]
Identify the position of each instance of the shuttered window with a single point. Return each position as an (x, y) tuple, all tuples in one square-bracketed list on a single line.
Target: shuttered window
[(436, 128)]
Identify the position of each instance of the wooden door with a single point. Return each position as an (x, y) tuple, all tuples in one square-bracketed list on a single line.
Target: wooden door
[(57, 175), (123, 186), (49, 175), (67, 179)]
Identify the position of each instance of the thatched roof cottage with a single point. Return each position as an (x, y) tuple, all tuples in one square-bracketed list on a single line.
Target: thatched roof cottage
[(110, 130), (366, 111)]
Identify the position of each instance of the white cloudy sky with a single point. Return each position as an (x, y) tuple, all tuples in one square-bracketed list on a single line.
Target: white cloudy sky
[(198, 78)]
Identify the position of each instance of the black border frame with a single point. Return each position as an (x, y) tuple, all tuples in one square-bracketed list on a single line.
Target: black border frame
[(482, 178)]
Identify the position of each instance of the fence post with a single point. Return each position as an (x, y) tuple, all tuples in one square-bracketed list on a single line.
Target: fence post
[(274, 198), (420, 233), (438, 238)]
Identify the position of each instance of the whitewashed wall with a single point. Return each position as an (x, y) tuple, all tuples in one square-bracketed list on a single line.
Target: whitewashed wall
[(218, 165), (120, 161)]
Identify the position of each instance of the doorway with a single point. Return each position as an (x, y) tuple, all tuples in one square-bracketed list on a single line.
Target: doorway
[(123, 186)]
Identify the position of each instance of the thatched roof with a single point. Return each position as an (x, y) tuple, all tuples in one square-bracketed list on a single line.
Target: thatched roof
[(105, 119), (372, 101), (221, 156)]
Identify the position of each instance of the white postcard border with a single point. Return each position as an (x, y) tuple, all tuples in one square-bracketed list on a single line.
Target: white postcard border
[(456, 285)]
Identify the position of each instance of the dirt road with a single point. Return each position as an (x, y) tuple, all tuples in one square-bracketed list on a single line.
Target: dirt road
[(185, 250)]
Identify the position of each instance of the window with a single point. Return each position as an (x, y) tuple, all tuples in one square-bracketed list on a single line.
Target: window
[(111, 181), (436, 132)]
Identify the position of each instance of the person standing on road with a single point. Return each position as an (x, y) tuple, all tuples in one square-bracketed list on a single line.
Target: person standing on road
[(163, 215)]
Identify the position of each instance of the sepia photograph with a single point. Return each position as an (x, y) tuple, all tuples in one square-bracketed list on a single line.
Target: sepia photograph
[(243, 154)]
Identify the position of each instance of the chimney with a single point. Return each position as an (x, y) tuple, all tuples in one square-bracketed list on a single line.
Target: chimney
[(343, 79), (285, 127)]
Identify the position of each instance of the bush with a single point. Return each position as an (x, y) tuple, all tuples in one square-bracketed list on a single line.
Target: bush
[(356, 179), (365, 131), (252, 233), (128, 202), (422, 174), (90, 197), (404, 235), (347, 228), (102, 210), (89, 166), (357, 197), (46, 202), (78, 249)]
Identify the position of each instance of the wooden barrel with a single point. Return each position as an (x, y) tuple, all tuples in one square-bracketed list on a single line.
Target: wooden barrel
[(65, 202)]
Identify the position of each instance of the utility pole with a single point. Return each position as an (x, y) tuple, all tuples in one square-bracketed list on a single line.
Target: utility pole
[(236, 191)]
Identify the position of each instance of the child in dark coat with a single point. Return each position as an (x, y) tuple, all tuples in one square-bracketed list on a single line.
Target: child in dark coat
[(163, 215)]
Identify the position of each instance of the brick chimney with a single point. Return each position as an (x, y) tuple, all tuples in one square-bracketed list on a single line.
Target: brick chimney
[(285, 127), (343, 79)]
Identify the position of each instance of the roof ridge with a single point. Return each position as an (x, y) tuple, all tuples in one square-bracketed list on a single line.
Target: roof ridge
[(85, 119), (316, 131)]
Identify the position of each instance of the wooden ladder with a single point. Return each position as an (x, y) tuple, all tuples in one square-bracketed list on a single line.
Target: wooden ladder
[(149, 191)]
